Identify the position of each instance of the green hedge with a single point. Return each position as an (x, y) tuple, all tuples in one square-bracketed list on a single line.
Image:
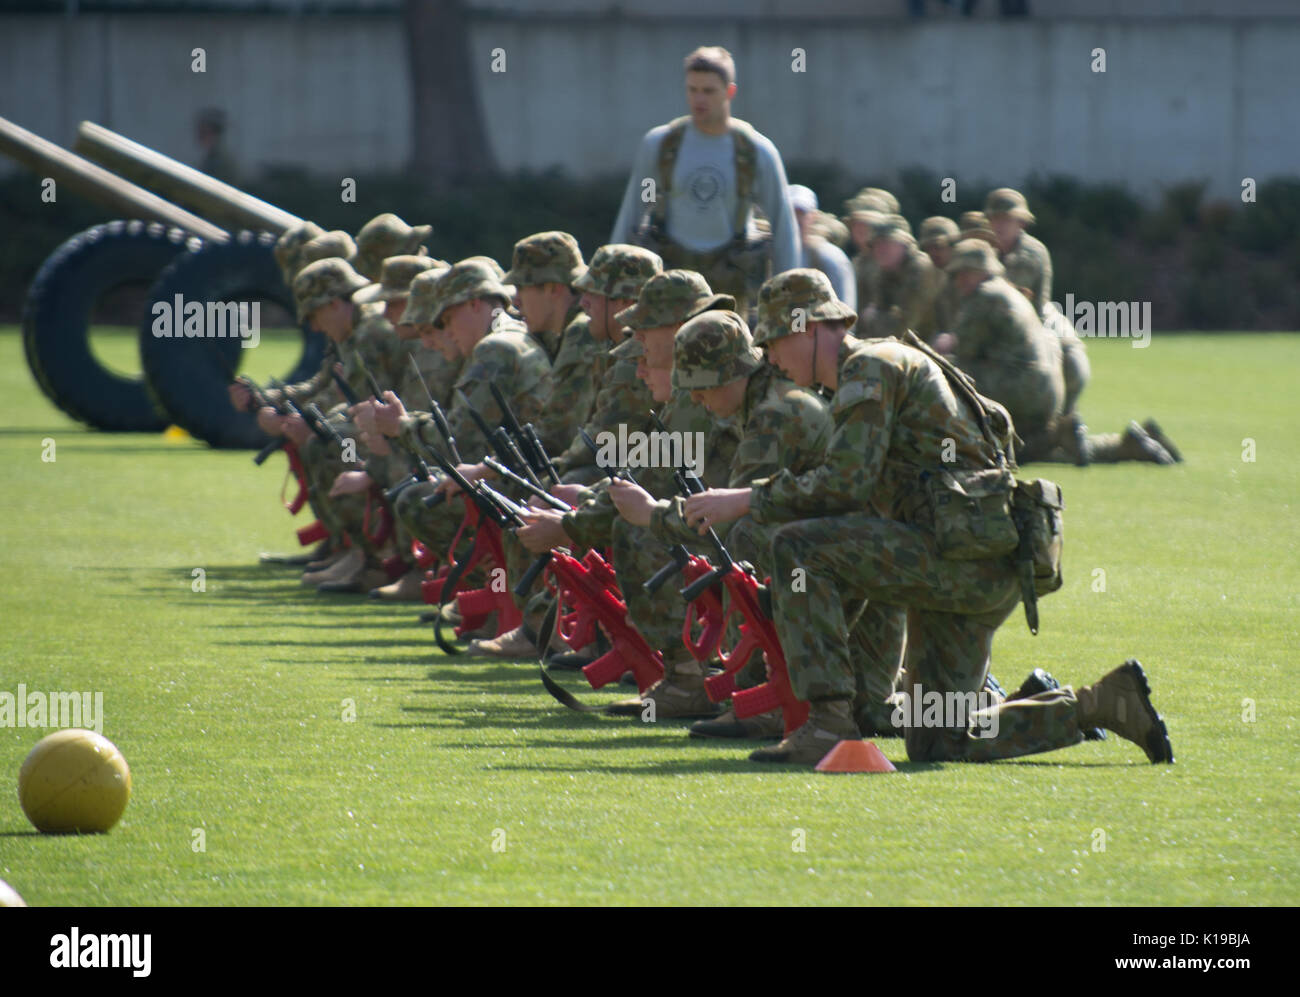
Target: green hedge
[(1204, 264)]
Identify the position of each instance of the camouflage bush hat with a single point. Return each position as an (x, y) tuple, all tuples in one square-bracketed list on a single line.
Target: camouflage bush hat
[(975, 254), (894, 227), (871, 199), (806, 289), (384, 236), (545, 258), (490, 263), (618, 271), (1005, 201), (331, 245), (972, 220), (321, 282), (670, 298), (289, 246), (831, 229), (714, 349), (465, 281), (420, 295), (395, 278), (938, 230)]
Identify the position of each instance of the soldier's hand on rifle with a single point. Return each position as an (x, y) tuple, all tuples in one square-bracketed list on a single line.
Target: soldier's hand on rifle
[(389, 415), (270, 422), (363, 414), (633, 502), (376, 443), (570, 493), (543, 530), (350, 483), (240, 396), (296, 429), (715, 507), (470, 472)]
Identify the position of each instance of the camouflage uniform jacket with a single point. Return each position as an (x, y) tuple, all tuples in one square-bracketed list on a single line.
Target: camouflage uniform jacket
[(903, 298), (373, 342), (576, 372), (440, 375), (1029, 265), (590, 524), (511, 359), (1002, 344), (893, 411), (784, 427), (623, 399)]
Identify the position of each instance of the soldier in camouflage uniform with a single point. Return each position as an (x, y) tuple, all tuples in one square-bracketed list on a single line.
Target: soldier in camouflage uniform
[(937, 236), (904, 284), (385, 465), (781, 425), (288, 248), (544, 268), (611, 284), (666, 302), (467, 310), (862, 212), (1002, 344), (863, 525), (1029, 267)]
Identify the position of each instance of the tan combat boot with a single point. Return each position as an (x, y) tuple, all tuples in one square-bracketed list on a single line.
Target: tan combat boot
[(367, 577), (1121, 701), (514, 645), (327, 560), (678, 695), (405, 589), (829, 722), (352, 561), (764, 727)]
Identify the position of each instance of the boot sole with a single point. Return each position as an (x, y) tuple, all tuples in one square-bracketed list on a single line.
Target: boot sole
[(1158, 747)]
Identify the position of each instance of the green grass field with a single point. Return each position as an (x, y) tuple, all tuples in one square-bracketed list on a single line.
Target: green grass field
[(229, 703)]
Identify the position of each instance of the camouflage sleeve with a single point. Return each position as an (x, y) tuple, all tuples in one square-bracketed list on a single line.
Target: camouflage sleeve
[(621, 399), (792, 433), (490, 363), (863, 410), (310, 390), (590, 524), (1045, 283)]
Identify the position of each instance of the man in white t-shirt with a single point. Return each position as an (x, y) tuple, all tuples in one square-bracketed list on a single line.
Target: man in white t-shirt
[(696, 183)]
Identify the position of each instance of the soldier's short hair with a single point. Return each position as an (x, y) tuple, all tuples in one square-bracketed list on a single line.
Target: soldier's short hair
[(712, 59)]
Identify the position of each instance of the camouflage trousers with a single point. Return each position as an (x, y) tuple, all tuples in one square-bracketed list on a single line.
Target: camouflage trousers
[(342, 515), (953, 609), (435, 528), (876, 633)]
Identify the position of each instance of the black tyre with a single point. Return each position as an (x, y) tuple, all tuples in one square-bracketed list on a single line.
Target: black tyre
[(56, 321), (188, 376)]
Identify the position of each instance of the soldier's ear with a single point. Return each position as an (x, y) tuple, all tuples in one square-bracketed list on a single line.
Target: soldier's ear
[(731, 91)]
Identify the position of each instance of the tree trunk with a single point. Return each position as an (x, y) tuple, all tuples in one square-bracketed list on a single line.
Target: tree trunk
[(448, 139)]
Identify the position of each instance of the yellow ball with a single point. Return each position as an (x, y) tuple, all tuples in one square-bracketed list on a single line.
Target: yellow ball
[(9, 896), (74, 780)]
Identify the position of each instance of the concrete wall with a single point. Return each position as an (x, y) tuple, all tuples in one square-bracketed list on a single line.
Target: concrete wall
[(1205, 99)]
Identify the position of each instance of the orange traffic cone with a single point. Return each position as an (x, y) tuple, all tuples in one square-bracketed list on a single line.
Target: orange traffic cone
[(855, 756)]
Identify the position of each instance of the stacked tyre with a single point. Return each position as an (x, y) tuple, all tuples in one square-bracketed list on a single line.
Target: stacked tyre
[(184, 379)]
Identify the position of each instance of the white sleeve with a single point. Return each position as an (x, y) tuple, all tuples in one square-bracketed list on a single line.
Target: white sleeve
[(633, 208), (773, 198)]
